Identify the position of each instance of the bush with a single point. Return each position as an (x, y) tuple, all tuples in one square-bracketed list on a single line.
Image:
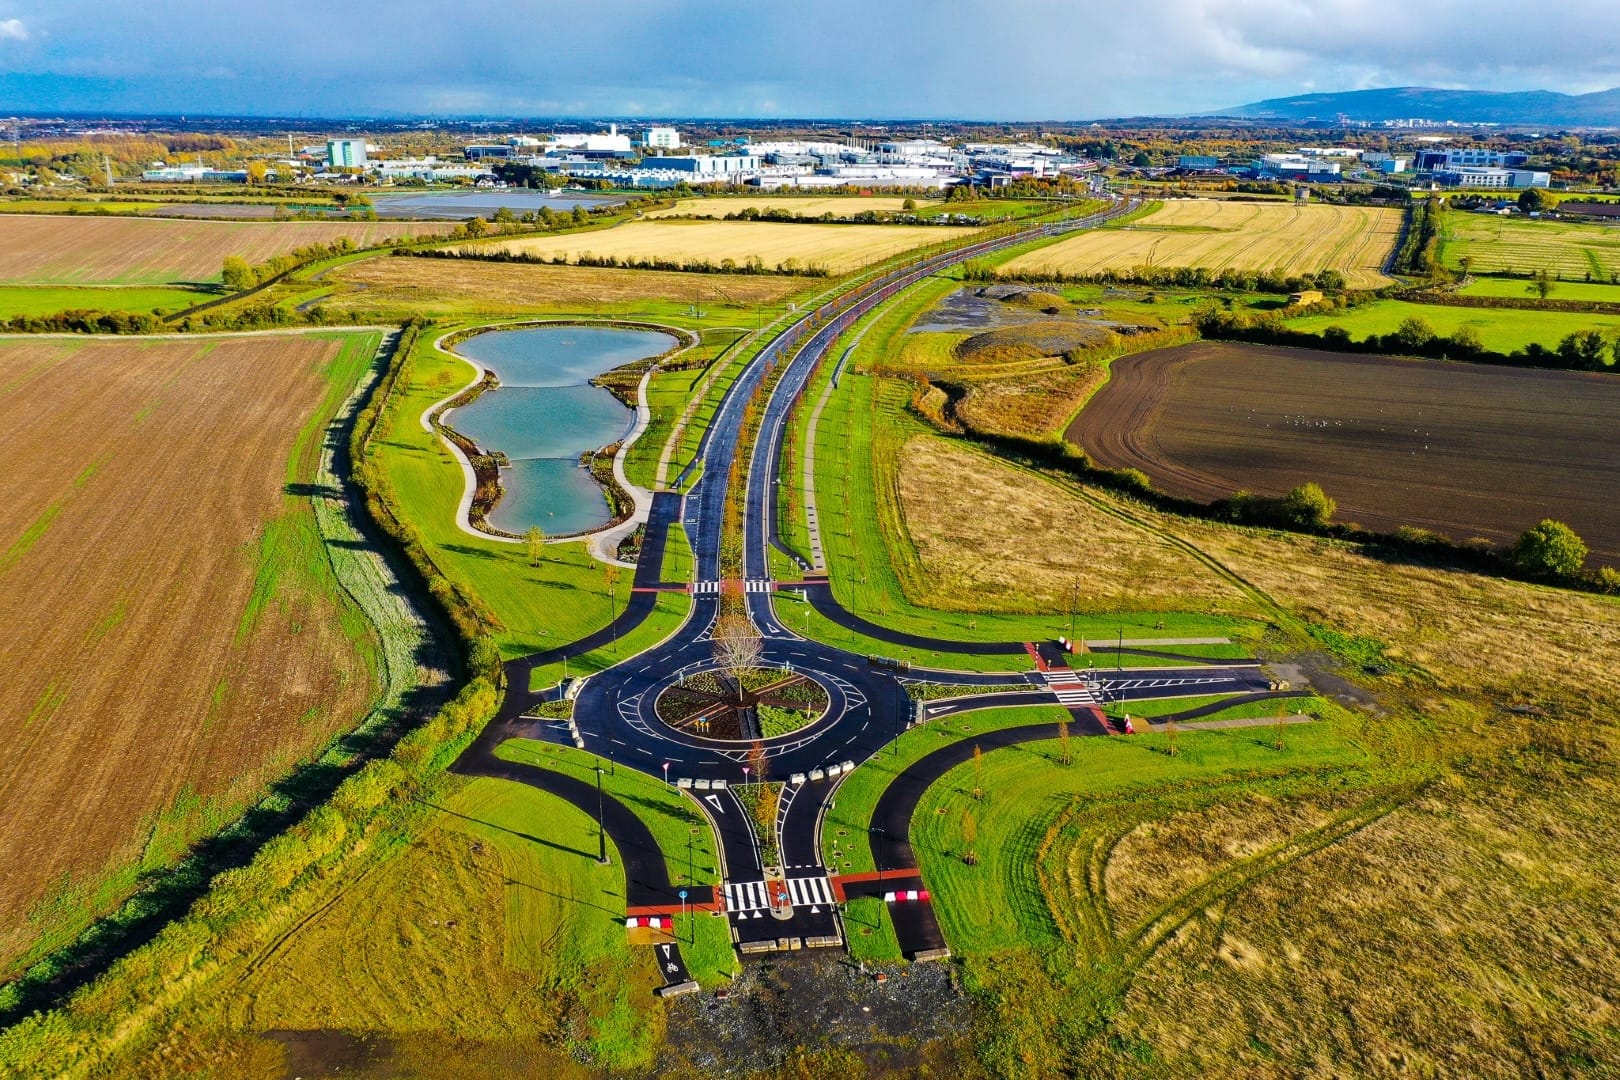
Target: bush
[(1309, 506), (1550, 549)]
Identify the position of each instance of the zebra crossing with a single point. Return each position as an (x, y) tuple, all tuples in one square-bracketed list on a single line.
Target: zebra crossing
[(749, 899), (712, 588), (1070, 689)]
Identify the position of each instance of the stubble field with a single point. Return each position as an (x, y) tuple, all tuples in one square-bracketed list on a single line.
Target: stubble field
[(1217, 234), (838, 248), (58, 250), (836, 205), (413, 284), (171, 643), (1464, 450), (1494, 244)]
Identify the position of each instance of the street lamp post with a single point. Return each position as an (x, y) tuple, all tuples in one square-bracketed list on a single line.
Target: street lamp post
[(878, 850), (1074, 604), (601, 819)]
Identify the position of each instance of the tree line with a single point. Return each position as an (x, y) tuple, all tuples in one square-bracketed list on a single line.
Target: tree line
[(1183, 277), (1583, 350), (753, 264)]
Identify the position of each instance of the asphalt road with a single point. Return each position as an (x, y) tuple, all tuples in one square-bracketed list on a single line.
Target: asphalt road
[(614, 714), (646, 873)]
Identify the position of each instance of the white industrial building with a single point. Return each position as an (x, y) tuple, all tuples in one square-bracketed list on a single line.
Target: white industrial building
[(428, 168), (1298, 167), (346, 153), (193, 174), (1493, 178), (611, 143), (662, 138), (1385, 163)]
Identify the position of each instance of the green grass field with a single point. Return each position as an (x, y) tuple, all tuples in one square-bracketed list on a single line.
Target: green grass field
[(845, 844), (995, 905), (1520, 288), (1500, 329), (1494, 244), (47, 300), (682, 833), (667, 394)]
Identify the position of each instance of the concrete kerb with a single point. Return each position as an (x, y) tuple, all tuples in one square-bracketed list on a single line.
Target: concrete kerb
[(469, 478)]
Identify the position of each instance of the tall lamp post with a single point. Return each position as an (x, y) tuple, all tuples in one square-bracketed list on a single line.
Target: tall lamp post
[(601, 819), (1074, 604)]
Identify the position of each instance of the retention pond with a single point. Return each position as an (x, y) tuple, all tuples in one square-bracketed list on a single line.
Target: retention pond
[(546, 413)]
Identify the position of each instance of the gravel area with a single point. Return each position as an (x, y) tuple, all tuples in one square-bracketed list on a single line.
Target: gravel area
[(814, 1000)]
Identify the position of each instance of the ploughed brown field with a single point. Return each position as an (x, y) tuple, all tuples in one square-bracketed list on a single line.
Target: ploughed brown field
[(1465, 450), (158, 662), (56, 249)]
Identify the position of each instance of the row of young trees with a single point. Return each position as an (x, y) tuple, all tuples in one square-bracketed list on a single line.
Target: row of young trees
[(750, 265), (1182, 277)]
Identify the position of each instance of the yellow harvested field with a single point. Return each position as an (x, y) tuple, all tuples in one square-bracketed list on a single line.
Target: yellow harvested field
[(984, 529), (808, 206), (1219, 234), (838, 248), (393, 283), (56, 249)]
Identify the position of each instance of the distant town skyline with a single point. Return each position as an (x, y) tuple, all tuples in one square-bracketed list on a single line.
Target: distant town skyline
[(1015, 60)]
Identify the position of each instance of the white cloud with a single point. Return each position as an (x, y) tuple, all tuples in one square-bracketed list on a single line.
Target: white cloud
[(1052, 59)]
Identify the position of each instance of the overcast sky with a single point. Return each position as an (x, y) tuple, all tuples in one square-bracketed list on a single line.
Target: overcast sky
[(1002, 59)]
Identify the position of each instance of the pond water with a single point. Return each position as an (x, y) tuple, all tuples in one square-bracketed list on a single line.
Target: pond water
[(478, 203), (545, 414)]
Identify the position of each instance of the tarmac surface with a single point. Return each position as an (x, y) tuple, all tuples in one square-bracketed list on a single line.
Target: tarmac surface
[(614, 716)]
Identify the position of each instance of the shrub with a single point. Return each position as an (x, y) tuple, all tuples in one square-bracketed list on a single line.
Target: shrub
[(1309, 506), (1550, 549)]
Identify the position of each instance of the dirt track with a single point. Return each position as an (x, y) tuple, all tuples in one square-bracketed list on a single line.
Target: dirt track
[(1464, 450)]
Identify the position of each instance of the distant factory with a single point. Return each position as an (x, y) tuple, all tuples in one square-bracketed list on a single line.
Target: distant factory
[(1467, 167), (655, 161)]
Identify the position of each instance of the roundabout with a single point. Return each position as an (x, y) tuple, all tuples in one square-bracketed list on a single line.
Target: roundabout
[(747, 705), (735, 698)]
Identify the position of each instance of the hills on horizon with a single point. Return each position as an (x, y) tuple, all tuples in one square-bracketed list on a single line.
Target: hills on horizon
[(1534, 107)]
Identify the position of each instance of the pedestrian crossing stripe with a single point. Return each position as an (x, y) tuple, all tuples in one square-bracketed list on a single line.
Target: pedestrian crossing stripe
[(753, 585), (1070, 689), (745, 897)]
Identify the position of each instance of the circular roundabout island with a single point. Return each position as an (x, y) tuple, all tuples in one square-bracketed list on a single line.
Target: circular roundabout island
[(742, 704)]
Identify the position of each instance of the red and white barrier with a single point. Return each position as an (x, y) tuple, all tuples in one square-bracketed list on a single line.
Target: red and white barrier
[(905, 894), (653, 922)]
